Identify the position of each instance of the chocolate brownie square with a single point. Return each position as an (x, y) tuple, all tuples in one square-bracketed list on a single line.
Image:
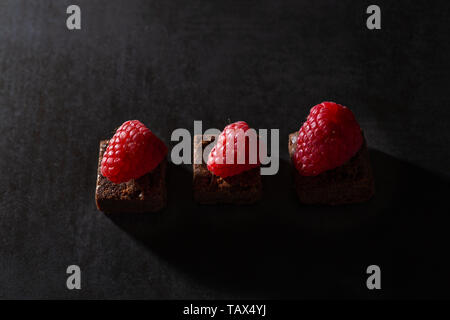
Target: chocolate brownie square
[(349, 183), (244, 188), (146, 194)]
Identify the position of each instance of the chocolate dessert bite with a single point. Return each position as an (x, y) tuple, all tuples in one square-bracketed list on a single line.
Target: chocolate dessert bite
[(131, 173), (330, 157), (350, 183), (242, 188), (145, 194)]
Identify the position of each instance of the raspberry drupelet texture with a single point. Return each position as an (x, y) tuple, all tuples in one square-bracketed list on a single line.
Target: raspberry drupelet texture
[(230, 143), (330, 137), (132, 152)]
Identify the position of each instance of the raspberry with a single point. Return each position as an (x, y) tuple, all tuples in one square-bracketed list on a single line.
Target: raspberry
[(233, 136), (132, 152), (328, 139)]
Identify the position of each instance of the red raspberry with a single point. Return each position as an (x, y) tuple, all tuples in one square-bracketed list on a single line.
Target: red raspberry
[(132, 152), (328, 139), (233, 137)]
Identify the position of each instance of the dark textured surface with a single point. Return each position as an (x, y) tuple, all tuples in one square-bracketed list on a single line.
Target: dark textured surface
[(168, 63)]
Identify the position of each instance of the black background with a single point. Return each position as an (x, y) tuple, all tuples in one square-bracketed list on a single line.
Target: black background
[(168, 63)]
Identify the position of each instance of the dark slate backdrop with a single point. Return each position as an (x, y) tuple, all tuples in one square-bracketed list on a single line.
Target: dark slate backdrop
[(168, 63)]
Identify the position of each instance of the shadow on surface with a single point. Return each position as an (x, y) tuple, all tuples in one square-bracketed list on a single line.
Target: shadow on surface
[(279, 248)]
